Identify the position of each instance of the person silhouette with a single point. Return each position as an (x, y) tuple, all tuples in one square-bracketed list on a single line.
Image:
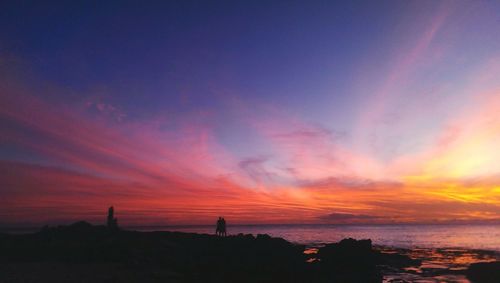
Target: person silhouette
[(223, 227), (218, 228)]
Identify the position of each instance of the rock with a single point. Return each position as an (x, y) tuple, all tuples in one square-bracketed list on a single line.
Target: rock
[(192, 257), (350, 260), (484, 272)]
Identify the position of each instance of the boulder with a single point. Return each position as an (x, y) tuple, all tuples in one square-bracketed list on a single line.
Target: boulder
[(484, 272), (349, 260)]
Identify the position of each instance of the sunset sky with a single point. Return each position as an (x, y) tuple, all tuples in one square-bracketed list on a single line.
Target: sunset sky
[(176, 112)]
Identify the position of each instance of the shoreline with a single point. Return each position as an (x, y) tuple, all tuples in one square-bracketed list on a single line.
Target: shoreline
[(394, 236), (193, 257)]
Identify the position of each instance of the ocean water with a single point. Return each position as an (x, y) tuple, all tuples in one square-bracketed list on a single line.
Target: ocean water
[(485, 237)]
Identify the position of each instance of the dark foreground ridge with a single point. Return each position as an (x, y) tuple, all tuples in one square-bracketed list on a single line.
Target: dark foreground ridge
[(82, 252)]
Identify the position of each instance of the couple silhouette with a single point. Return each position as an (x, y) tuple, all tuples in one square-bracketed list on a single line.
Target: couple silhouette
[(220, 230)]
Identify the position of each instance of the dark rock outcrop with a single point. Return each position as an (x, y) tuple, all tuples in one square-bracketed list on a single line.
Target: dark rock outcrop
[(350, 261), (190, 257), (181, 257), (484, 272)]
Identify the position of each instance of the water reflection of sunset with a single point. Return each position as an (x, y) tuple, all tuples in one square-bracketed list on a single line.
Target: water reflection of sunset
[(444, 265)]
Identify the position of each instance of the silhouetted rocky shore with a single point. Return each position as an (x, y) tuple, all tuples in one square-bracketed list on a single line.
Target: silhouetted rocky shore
[(85, 253)]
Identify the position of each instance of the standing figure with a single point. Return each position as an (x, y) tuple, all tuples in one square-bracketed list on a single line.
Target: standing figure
[(218, 228), (223, 227)]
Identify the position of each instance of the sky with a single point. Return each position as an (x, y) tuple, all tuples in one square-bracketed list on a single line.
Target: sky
[(264, 112)]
